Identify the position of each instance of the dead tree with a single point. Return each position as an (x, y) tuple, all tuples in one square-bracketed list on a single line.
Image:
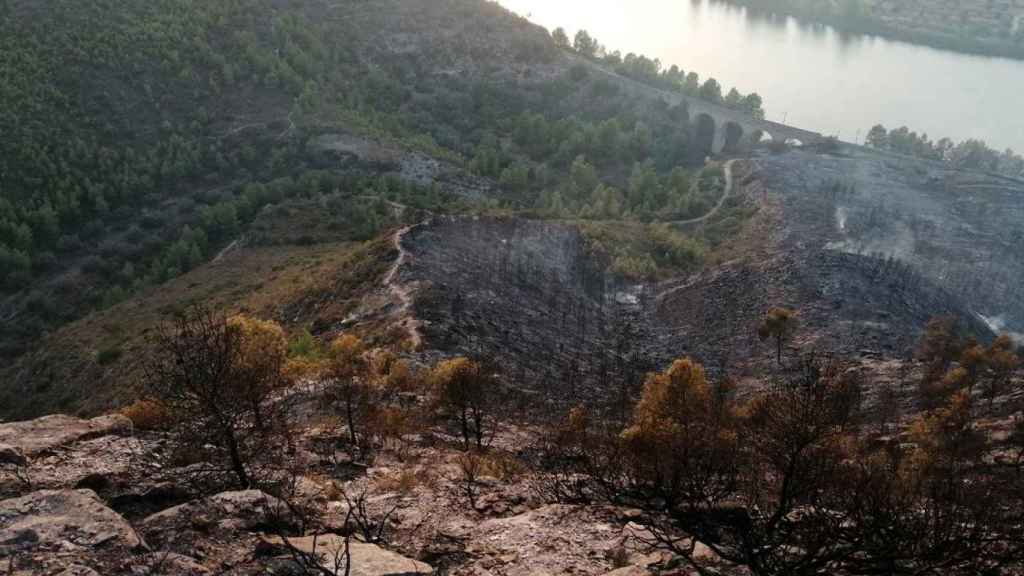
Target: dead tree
[(787, 485), (220, 379)]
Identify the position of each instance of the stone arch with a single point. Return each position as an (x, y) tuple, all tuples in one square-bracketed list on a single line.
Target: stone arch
[(733, 136), (704, 139), (761, 136)]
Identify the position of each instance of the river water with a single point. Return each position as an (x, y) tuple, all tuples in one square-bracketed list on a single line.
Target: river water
[(810, 76)]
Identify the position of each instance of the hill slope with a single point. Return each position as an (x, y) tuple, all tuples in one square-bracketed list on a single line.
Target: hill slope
[(288, 132), (125, 121)]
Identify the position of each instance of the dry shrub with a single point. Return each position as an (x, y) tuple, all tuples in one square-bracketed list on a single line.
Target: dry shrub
[(390, 425), (465, 391), (148, 415), (349, 390), (298, 369), (333, 492), (394, 375), (788, 480), (405, 481), (397, 336), (504, 467), (779, 324), (470, 465)]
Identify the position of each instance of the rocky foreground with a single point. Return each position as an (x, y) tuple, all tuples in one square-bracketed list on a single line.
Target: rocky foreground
[(92, 497)]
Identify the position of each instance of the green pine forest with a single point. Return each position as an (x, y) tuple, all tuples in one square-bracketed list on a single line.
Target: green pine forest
[(142, 137)]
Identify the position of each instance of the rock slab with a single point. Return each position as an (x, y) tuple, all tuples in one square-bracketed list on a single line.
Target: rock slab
[(35, 436), (76, 517), (224, 513), (367, 559)]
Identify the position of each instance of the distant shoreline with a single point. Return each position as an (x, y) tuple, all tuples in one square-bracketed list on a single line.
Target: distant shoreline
[(879, 28)]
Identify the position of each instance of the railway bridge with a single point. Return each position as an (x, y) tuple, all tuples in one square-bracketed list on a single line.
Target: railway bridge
[(718, 129)]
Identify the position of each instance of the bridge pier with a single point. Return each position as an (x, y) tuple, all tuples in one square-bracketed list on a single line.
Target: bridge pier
[(718, 145), (720, 129), (717, 137)]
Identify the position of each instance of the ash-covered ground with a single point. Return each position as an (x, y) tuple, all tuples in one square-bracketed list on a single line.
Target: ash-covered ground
[(866, 248), (964, 231), (527, 293)]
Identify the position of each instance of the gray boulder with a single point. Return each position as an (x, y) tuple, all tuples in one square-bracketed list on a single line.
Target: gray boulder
[(62, 528), (62, 452)]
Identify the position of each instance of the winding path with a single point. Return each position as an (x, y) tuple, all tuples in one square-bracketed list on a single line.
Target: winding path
[(721, 201), (220, 255), (401, 292), (403, 295)]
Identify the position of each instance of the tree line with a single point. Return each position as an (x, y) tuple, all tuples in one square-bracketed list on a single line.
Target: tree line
[(650, 71), (969, 154), (68, 161), (606, 158), (74, 171), (973, 28), (184, 122)]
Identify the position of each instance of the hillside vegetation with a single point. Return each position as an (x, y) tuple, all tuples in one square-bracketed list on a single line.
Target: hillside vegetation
[(142, 139), (973, 26), (95, 364)]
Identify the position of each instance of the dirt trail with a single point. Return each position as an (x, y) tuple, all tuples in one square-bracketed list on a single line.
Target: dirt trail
[(721, 202), (987, 187), (725, 196), (227, 249), (401, 292)]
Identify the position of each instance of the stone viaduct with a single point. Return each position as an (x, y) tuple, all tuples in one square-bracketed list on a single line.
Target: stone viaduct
[(720, 129), (717, 128)]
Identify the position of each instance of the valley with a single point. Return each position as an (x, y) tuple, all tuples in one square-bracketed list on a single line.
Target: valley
[(394, 287)]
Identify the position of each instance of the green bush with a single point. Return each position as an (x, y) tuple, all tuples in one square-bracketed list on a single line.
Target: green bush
[(642, 267), (305, 345)]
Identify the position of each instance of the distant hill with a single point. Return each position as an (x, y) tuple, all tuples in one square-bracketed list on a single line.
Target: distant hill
[(973, 26), (142, 139), (134, 131)]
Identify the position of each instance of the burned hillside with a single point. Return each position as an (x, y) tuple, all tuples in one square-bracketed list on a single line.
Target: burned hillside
[(848, 304), (529, 296), (532, 296), (962, 231)]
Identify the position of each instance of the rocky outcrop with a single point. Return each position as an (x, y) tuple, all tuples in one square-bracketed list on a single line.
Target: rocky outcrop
[(218, 531), (52, 529), (225, 513), (57, 452), (78, 570), (109, 464), (364, 559), (33, 437), (167, 563), (554, 539)]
